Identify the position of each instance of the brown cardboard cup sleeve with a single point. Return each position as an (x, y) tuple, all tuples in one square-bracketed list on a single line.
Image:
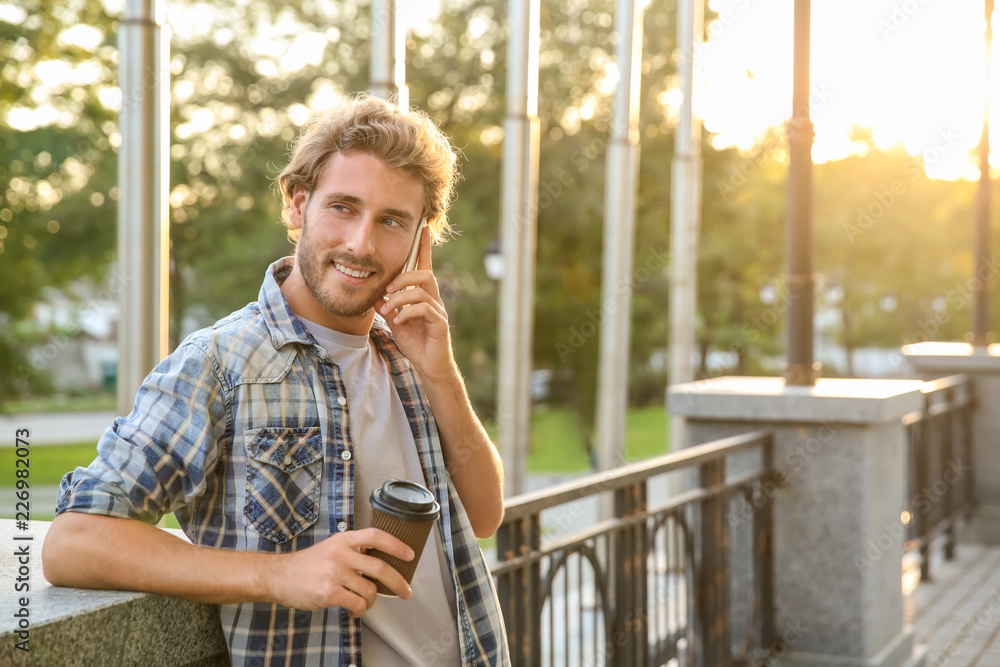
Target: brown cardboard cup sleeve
[(406, 510)]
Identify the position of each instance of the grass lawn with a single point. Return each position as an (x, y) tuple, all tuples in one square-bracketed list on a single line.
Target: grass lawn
[(48, 463), (647, 433), (557, 444), (86, 403)]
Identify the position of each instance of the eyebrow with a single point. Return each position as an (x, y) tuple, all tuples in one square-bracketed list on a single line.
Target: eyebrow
[(351, 199)]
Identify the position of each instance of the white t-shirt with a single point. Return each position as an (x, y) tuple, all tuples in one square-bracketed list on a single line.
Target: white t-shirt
[(423, 630)]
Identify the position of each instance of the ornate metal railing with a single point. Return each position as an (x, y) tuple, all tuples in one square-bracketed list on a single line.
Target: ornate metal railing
[(940, 493), (693, 569)]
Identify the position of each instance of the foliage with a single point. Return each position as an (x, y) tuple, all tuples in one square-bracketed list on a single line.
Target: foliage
[(239, 96), (57, 172), (895, 248)]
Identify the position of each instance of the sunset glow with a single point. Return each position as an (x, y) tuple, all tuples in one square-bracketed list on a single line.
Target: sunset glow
[(911, 70)]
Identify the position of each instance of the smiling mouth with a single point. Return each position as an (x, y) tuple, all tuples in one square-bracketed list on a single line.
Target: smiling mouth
[(352, 272)]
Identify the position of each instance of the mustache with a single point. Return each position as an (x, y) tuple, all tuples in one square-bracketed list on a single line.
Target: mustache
[(354, 261)]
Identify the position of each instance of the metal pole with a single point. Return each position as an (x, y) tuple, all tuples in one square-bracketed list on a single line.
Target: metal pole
[(518, 211), (685, 209), (682, 653), (800, 369), (143, 179), (388, 56), (619, 234), (981, 334)]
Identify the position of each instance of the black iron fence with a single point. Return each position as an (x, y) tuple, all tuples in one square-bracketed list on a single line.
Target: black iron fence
[(940, 489), (600, 572)]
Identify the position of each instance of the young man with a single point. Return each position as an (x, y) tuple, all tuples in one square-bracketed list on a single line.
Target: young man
[(266, 433)]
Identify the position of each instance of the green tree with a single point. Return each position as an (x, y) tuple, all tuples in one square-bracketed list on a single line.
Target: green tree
[(896, 247), (57, 170), (741, 254)]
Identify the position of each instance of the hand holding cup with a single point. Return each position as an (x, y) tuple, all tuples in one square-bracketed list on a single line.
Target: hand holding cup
[(406, 510)]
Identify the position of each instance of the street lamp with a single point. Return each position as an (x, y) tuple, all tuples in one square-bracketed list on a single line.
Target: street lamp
[(800, 368), (768, 294), (493, 261)]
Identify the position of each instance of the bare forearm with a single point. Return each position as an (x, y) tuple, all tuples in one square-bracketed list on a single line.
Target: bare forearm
[(93, 551), (472, 459)]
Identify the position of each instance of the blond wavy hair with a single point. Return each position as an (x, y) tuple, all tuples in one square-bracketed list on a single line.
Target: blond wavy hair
[(402, 139)]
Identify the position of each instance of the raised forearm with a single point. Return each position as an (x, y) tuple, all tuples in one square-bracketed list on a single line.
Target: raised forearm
[(473, 462)]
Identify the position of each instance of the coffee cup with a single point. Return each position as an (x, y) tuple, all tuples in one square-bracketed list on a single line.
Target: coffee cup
[(406, 510)]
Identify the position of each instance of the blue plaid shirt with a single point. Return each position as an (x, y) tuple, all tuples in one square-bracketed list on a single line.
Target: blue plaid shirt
[(243, 434)]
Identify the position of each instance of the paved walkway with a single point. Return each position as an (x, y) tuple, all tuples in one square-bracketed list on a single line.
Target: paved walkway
[(957, 615), (57, 428), (43, 502)]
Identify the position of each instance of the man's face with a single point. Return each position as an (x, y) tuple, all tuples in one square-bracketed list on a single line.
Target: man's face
[(357, 229)]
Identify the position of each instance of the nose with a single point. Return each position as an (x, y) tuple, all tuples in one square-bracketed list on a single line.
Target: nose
[(361, 238)]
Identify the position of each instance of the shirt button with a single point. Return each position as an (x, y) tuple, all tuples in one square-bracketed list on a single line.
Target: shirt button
[(341, 400), (342, 526), (288, 460), (346, 455)]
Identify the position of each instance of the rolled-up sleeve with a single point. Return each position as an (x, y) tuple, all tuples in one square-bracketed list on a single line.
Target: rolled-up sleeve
[(161, 456)]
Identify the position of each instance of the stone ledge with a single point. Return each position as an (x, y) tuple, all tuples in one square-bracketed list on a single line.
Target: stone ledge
[(72, 626), (946, 358), (768, 399)]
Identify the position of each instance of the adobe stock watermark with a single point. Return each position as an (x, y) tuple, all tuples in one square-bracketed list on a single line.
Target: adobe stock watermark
[(560, 519), (656, 261), (605, 650), (741, 175), (435, 650), (926, 498), (725, 18), (796, 460), (955, 299), (982, 621), (790, 635), (793, 633), (152, 80), (759, 498), (899, 16), (39, 359), (755, 327), (751, 331), (883, 200), (560, 178), (453, 285)]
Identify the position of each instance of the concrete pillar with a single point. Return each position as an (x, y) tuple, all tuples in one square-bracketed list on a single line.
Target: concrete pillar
[(839, 449), (932, 360)]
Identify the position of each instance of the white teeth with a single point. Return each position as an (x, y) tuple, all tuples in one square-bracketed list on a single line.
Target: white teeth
[(352, 272)]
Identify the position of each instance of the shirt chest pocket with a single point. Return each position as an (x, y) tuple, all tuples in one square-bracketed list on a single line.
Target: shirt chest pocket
[(284, 474)]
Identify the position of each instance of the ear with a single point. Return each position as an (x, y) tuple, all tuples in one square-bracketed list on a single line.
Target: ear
[(297, 208)]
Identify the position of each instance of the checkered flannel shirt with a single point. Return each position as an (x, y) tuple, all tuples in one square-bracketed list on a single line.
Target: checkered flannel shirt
[(243, 433)]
